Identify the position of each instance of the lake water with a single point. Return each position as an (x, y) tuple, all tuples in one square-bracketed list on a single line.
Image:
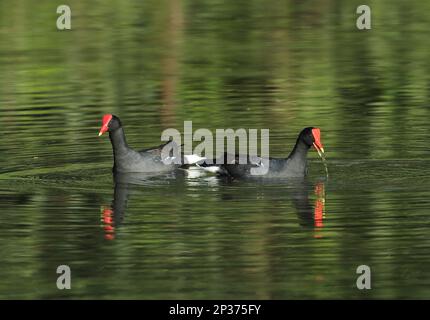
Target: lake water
[(279, 65)]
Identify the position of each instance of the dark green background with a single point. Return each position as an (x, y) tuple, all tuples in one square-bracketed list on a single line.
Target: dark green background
[(281, 65)]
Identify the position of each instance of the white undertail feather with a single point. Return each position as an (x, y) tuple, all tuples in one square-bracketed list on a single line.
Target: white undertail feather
[(192, 159), (212, 169)]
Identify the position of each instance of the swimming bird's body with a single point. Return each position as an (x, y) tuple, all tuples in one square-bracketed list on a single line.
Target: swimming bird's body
[(294, 166)]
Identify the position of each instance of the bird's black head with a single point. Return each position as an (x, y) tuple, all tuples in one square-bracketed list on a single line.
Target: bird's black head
[(110, 122), (312, 137)]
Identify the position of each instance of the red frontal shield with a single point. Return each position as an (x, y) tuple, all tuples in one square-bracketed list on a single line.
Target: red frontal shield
[(317, 138), (105, 123)]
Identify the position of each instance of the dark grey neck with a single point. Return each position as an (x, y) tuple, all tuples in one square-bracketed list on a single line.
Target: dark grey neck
[(297, 160), (119, 143)]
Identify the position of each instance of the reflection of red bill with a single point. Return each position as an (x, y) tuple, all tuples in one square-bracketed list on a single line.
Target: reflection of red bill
[(319, 208), (108, 227), (319, 189), (109, 236), (318, 214), (107, 216)]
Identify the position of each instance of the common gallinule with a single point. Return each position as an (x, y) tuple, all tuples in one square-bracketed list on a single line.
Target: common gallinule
[(295, 165), (145, 161)]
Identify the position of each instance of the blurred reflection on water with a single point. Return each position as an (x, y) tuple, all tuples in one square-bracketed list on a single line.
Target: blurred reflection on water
[(236, 64)]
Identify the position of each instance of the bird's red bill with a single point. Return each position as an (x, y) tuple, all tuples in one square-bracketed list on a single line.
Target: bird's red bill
[(105, 123), (317, 138)]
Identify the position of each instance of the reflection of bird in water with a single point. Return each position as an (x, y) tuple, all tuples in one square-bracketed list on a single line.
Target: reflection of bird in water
[(300, 192), (113, 215), (310, 213)]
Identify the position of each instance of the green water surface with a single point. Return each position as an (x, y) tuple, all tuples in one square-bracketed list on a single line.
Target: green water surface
[(278, 65)]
